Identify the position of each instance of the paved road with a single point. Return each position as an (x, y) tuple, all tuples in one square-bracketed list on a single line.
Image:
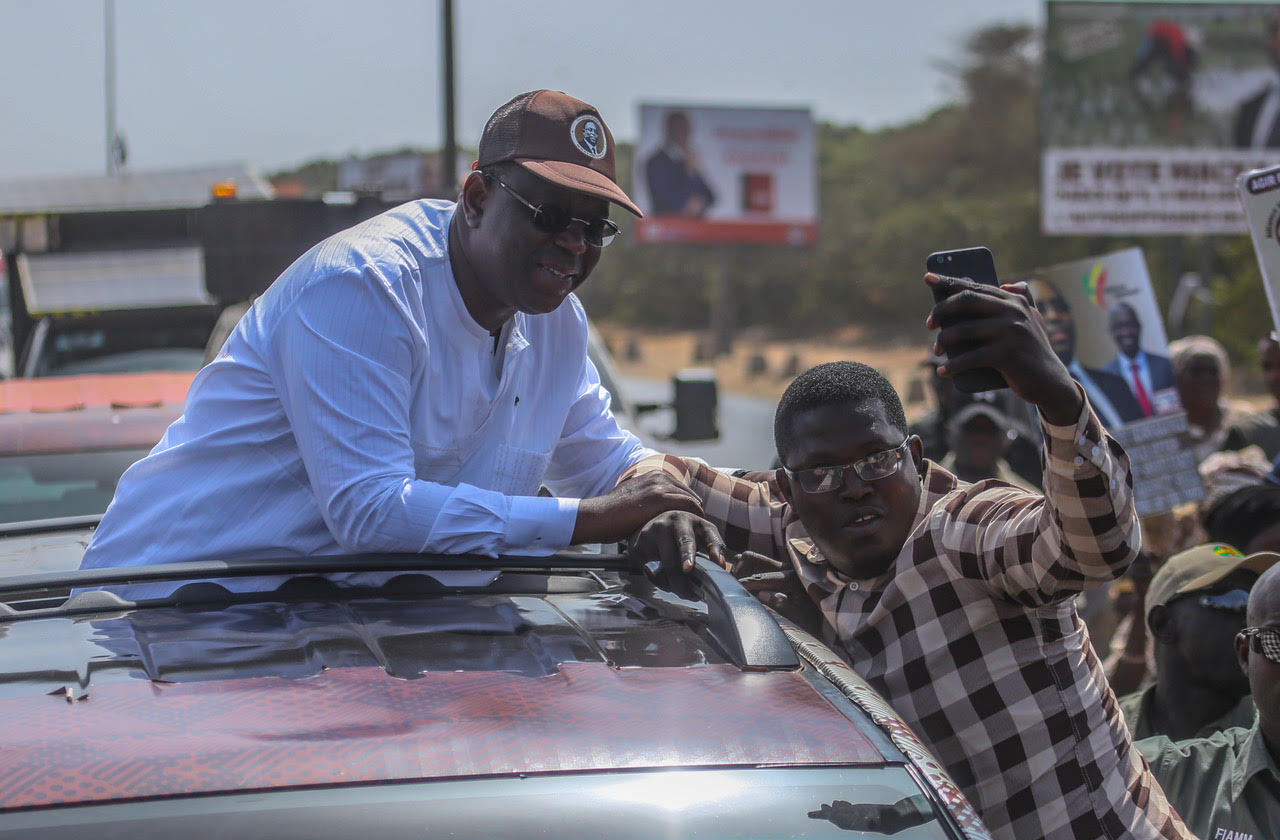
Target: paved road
[(746, 427)]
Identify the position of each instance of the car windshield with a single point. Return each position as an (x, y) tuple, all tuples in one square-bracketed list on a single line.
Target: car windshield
[(53, 485), (176, 346), (135, 361), (836, 802)]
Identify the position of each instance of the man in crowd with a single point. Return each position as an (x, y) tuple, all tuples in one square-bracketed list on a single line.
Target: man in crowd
[(1227, 786), (1248, 517), (1263, 428), (1109, 394), (955, 601), (408, 385), (1194, 609), (979, 437), (1146, 374), (1022, 450)]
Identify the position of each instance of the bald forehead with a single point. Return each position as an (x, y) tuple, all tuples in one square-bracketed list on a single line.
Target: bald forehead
[(1264, 599)]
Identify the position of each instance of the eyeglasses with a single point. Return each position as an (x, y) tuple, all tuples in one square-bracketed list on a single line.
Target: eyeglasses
[(551, 219), (874, 467), (1233, 601), (1264, 640)]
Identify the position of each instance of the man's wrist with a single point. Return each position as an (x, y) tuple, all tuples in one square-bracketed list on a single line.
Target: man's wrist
[(1062, 407)]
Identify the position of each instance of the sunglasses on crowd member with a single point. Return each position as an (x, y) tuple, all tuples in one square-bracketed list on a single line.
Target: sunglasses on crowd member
[(1232, 601), (1264, 640), (874, 467), (549, 218)]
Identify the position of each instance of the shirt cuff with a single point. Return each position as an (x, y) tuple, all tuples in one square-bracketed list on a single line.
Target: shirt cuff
[(544, 524), (1069, 449)]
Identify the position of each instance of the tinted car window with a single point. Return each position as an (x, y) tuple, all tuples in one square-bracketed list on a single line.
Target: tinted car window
[(52, 485)]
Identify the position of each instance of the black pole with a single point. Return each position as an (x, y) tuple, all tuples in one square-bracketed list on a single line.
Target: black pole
[(448, 157)]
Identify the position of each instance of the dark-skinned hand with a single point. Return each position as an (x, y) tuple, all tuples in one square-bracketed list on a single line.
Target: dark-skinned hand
[(1009, 335), (673, 540), (626, 508), (776, 585)]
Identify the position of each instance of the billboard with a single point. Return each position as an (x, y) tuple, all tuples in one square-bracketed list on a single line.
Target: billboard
[(724, 175), (1150, 111), (1101, 317)]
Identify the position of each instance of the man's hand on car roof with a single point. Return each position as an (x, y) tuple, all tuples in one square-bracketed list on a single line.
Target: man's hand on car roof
[(673, 540), (626, 508)]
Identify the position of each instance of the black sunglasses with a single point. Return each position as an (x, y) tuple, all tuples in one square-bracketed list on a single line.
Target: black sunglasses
[(551, 219), (1264, 640)]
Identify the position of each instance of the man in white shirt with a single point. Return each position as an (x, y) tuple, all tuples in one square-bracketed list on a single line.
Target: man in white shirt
[(408, 385)]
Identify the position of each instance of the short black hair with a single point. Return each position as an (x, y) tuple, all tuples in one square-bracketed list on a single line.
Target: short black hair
[(834, 383), (1242, 515)]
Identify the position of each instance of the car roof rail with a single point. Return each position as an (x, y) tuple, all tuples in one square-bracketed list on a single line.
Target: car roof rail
[(747, 631), (744, 629)]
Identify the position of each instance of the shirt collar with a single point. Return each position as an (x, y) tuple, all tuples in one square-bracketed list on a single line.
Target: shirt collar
[(1257, 758)]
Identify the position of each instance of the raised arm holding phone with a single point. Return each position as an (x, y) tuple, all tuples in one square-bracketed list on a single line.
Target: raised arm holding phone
[(954, 600)]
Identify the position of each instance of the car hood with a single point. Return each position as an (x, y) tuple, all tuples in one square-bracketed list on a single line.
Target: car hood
[(242, 697)]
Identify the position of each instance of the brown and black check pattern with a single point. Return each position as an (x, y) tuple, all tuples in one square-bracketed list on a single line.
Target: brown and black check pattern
[(973, 637)]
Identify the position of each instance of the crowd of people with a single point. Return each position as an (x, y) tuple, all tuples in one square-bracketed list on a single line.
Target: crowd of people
[(410, 384)]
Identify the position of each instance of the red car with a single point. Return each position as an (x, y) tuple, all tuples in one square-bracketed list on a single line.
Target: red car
[(559, 697), (64, 443)]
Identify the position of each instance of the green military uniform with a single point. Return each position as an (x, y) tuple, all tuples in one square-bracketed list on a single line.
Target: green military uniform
[(1226, 786), (1137, 715)]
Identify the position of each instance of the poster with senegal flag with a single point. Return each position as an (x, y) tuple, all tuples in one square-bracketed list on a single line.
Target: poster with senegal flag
[(1101, 316)]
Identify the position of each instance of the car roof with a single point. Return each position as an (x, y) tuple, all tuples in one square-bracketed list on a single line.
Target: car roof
[(314, 685), (103, 411)]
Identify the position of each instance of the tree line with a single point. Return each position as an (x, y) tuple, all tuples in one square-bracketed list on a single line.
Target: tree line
[(966, 174)]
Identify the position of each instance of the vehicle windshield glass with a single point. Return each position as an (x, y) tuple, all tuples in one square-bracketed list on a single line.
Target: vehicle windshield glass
[(836, 802), (177, 346), (52, 485), (137, 361)]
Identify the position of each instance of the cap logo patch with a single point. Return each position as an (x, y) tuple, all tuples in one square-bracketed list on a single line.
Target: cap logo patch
[(1225, 551), (587, 135)]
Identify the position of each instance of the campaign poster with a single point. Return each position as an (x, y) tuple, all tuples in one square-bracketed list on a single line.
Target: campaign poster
[(1102, 320), (1150, 111), (725, 175), (1260, 196)]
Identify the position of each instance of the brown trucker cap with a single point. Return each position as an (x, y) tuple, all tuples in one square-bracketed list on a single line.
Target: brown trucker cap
[(1199, 568), (558, 138)]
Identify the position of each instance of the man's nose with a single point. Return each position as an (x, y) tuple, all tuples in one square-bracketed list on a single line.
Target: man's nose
[(573, 238), (854, 486)]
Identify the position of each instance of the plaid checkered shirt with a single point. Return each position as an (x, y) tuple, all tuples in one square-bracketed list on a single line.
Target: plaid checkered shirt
[(972, 633)]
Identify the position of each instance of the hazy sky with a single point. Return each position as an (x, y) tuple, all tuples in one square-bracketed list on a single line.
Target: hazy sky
[(278, 82)]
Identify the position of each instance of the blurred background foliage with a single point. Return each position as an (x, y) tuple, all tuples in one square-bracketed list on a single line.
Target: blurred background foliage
[(968, 173)]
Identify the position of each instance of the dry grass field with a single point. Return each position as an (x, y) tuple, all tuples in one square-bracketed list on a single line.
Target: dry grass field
[(658, 355)]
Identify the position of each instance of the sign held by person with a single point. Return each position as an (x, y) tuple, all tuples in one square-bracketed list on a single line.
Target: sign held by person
[(1102, 320)]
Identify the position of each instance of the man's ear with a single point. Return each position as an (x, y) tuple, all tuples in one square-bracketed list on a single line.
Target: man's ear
[(1242, 652), (1162, 626), (475, 191), (917, 456), (784, 484)]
